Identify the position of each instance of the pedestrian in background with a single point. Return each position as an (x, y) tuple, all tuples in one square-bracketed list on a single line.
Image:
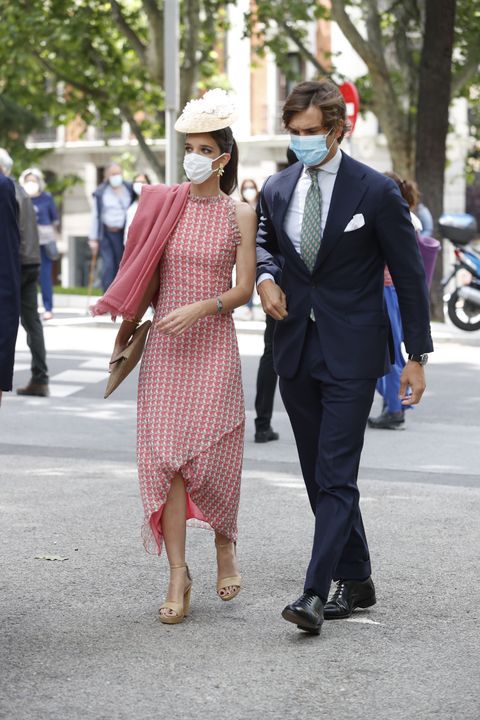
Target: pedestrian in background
[(30, 267), (33, 183), (393, 412), (9, 281), (191, 413), (266, 375), (139, 180), (249, 194), (111, 201)]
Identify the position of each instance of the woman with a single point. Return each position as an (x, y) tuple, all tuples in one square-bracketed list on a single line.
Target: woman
[(393, 413), (139, 180), (33, 183), (190, 400), (249, 192)]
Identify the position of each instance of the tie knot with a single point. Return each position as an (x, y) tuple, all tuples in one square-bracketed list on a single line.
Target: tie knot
[(313, 175)]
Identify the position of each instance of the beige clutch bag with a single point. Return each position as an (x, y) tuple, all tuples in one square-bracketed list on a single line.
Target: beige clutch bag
[(128, 358)]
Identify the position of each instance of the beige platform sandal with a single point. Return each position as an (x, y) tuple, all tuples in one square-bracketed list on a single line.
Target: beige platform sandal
[(234, 582), (181, 609)]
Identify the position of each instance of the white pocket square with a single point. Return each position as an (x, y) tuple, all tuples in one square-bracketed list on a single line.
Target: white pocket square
[(355, 223)]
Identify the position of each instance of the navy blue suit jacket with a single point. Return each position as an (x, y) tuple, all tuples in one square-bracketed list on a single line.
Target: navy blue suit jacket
[(345, 288), (9, 280)]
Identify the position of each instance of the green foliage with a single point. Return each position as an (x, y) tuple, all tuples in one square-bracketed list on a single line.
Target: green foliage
[(101, 61), (276, 24)]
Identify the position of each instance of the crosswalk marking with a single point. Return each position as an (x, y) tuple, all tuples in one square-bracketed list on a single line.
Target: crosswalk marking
[(81, 376), (60, 391)]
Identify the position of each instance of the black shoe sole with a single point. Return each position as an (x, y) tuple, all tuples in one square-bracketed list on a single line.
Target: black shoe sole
[(389, 426), (300, 622), (364, 604)]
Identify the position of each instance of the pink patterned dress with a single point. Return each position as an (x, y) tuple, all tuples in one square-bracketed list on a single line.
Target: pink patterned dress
[(191, 414)]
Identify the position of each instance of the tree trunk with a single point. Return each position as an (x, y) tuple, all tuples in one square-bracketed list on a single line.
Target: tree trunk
[(432, 119)]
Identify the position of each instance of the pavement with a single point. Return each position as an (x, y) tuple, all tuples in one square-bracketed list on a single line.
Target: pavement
[(80, 635)]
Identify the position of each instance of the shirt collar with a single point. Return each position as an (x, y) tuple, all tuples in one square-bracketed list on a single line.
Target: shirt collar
[(331, 166)]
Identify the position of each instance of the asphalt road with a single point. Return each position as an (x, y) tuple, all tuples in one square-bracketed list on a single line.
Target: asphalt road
[(80, 635)]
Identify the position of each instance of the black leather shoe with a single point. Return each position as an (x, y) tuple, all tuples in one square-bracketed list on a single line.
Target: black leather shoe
[(263, 436), (306, 613), (387, 420), (350, 594)]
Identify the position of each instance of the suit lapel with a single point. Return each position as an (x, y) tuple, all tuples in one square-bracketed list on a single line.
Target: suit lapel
[(283, 197), (347, 193)]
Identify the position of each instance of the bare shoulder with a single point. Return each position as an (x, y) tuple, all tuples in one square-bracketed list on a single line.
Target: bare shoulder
[(246, 215)]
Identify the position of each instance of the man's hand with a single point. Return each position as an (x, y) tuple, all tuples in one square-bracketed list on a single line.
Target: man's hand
[(274, 300), (93, 245), (413, 376)]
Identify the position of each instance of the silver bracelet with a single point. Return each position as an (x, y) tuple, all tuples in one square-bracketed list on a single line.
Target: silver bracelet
[(219, 305)]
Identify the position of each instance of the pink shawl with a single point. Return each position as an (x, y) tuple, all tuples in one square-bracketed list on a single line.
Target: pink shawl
[(159, 209)]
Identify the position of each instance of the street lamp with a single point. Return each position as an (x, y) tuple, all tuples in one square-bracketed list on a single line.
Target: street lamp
[(171, 46)]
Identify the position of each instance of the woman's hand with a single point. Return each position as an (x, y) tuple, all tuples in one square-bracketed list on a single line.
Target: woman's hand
[(124, 335), (176, 322)]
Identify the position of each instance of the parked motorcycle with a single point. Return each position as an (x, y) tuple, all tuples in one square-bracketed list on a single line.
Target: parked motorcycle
[(463, 304)]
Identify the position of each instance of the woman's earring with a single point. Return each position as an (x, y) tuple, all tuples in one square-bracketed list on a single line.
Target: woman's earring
[(220, 171)]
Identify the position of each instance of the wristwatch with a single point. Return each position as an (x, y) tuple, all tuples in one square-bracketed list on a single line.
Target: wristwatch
[(422, 359)]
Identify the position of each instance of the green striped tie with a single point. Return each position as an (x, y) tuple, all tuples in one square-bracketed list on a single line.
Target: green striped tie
[(311, 233)]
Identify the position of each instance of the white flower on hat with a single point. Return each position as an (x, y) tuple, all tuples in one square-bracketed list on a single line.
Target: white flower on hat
[(215, 110)]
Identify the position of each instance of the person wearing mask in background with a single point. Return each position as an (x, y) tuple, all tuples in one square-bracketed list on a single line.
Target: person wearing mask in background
[(9, 281), (30, 265), (33, 183), (112, 199), (139, 180), (393, 412), (249, 194)]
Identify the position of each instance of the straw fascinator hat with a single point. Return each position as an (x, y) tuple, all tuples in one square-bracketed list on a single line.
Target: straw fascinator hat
[(216, 110)]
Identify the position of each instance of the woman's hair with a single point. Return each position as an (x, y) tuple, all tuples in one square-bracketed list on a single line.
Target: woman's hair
[(408, 188), (142, 174), (226, 142), (322, 94)]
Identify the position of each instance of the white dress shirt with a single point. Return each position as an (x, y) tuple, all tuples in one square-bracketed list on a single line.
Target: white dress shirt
[(293, 219)]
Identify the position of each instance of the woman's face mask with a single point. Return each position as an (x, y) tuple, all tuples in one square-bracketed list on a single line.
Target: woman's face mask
[(311, 150), (250, 194), (137, 188), (198, 168), (115, 180), (31, 187)]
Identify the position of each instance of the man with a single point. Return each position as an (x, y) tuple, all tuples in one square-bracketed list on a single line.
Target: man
[(328, 226), (109, 214), (30, 270), (9, 282)]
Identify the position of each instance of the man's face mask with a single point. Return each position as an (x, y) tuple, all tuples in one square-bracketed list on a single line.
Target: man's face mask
[(116, 180), (311, 150)]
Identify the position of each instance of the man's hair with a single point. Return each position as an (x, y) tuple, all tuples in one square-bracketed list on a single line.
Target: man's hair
[(324, 95), (6, 162)]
